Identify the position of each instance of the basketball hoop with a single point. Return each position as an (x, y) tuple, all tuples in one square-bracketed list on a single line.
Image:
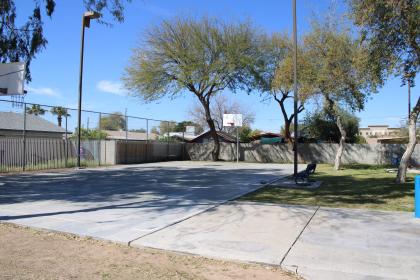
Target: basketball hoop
[(12, 79)]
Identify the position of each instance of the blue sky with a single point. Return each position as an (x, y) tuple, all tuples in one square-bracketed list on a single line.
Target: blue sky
[(108, 49)]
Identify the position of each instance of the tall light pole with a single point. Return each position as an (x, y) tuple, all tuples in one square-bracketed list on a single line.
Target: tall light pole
[(87, 16), (295, 96)]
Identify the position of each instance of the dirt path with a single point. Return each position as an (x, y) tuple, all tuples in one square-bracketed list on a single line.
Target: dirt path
[(34, 254)]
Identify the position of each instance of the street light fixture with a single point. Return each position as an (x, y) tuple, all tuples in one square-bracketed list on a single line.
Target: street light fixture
[(87, 16)]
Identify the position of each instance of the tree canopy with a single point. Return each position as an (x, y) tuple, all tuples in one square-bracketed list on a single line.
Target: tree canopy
[(342, 75), (322, 126), (35, 109), (114, 121), (392, 30), (202, 57), (24, 42), (282, 82), (60, 112)]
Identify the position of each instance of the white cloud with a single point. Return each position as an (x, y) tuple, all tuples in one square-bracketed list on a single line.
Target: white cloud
[(111, 87), (46, 91)]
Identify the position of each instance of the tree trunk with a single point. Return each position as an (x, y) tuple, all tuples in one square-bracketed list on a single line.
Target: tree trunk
[(340, 150), (213, 132), (412, 140), (287, 134), (59, 119)]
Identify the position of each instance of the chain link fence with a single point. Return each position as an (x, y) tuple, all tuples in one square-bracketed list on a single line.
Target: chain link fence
[(36, 137)]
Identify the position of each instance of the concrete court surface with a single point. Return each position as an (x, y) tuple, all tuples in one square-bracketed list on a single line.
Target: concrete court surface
[(123, 203), (335, 244), (358, 244)]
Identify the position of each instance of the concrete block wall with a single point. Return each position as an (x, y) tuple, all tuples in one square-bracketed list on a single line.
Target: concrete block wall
[(321, 153)]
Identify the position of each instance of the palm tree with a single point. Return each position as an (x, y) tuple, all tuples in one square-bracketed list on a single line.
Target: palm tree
[(60, 112), (35, 110)]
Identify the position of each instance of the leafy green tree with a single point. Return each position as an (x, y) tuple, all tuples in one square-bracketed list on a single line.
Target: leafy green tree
[(203, 57), (36, 110), (89, 134), (60, 112), (24, 42), (341, 74), (246, 133), (181, 126), (167, 126), (391, 29), (114, 121), (322, 126), (281, 83), (155, 130)]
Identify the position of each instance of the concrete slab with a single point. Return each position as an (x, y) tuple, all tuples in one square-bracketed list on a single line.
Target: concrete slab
[(122, 203), (242, 231), (358, 244)]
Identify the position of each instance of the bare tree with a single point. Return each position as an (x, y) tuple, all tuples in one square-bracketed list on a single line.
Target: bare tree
[(222, 105)]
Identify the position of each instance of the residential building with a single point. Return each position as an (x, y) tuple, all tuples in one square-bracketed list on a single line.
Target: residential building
[(130, 135), (11, 125), (375, 133), (267, 138), (205, 137), (378, 131)]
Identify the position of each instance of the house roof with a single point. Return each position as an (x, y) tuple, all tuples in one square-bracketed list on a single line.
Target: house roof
[(226, 136), (120, 135), (14, 121), (182, 136), (265, 135), (378, 125)]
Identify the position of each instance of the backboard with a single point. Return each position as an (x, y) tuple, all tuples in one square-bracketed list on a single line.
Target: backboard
[(190, 129), (232, 120), (12, 78)]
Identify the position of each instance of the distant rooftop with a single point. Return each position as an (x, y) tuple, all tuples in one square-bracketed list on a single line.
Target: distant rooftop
[(131, 135), (14, 121)]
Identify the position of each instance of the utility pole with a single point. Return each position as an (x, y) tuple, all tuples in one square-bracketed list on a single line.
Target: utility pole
[(295, 96)]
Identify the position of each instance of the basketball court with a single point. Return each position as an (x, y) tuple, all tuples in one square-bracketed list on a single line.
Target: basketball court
[(124, 203)]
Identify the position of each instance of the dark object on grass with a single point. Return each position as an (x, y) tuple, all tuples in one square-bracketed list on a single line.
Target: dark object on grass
[(303, 176)]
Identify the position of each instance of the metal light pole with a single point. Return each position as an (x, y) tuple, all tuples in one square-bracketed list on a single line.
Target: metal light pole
[(295, 90), (85, 23)]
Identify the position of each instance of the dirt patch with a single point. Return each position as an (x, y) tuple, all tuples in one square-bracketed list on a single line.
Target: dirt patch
[(27, 253)]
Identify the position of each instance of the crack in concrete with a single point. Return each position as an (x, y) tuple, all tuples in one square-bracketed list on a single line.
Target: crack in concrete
[(299, 235), (205, 210)]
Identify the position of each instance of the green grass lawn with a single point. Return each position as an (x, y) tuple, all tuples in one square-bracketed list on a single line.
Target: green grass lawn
[(355, 186)]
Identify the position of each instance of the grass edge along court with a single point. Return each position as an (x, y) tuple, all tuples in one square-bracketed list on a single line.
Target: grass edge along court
[(354, 186)]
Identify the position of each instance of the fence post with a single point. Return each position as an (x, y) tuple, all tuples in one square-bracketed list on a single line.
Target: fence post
[(417, 196), (100, 139), (167, 140), (24, 138), (66, 143), (147, 140), (126, 136), (183, 144)]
